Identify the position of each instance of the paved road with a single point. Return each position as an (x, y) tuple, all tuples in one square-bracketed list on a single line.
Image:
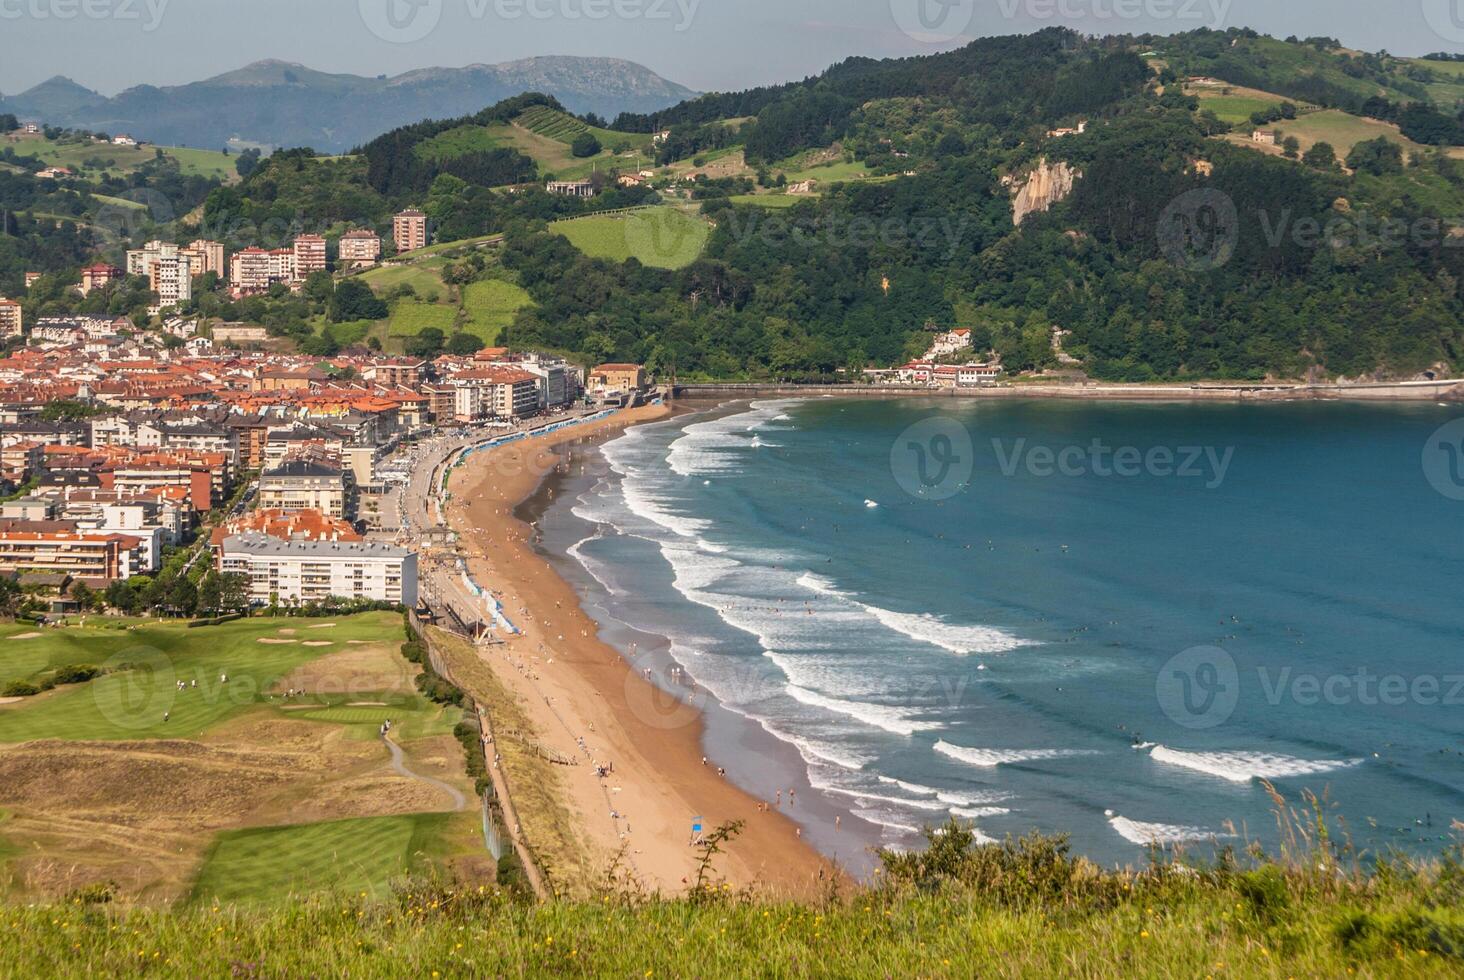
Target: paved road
[(398, 762)]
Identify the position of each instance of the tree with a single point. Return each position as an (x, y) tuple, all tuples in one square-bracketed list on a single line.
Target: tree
[(585, 145), (1378, 157), (427, 343), (463, 344), (1322, 156), (233, 592), (1289, 147), (208, 593), (83, 595), (246, 163), (354, 300)]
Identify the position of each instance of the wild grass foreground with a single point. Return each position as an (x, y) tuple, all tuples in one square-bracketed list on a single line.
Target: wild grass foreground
[(1022, 908)]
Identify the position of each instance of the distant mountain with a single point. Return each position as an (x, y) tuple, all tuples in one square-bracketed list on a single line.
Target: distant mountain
[(53, 98), (281, 104)]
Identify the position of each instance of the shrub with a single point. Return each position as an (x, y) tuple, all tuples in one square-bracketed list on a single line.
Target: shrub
[(74, 674), (19, 689)]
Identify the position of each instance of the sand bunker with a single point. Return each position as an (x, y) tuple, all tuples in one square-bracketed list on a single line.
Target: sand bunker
[(10, 700), (272, 641), (322, 626), (318, 643), (25, 636), (286, 631)]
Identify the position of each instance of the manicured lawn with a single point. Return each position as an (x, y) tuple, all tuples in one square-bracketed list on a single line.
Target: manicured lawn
[(411, 317), (491, 306), (662, 237), (145, 665), (269, 864)]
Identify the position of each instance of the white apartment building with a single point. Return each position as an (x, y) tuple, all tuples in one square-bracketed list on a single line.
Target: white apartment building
[(301, 571), (256, 269), (169, 273)]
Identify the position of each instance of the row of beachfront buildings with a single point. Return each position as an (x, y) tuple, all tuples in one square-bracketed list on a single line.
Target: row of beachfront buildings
[(170, 441)]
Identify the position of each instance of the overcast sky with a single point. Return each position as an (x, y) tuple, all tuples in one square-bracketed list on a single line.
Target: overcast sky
[(705, 44)]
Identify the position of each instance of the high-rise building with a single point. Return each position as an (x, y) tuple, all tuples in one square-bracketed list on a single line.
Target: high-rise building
[(205, 256), (253, 270), (169, 273), (309, 255), (10, 317), (409, 230)]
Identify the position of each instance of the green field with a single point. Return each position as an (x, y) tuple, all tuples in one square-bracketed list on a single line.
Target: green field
[(410, 317), (661, 237), (423, 276), (74, 153), (269, 864), (831, 173), (457, 142), (144, 666), (1345, 131), (777, 201), (491, 306)]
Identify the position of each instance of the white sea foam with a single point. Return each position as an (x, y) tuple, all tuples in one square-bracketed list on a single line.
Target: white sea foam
[(885, 819), (991, 758), (977, 812), (922, 626), (878, 715), (1158, 833), (860, 794), (1242, 767), (815, 751)]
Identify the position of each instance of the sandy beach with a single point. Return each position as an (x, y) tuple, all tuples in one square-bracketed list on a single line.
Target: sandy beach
[(576, 687)]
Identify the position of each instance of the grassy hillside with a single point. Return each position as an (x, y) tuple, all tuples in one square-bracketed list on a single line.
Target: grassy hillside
[(1016, 910), (490, 306), (661, 237), (80, 154), (541, 133)]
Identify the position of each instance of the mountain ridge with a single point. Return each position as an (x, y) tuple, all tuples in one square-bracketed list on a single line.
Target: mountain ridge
[(281, 103)]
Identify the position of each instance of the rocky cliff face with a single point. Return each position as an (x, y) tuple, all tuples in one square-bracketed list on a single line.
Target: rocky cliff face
[(1042, 188)]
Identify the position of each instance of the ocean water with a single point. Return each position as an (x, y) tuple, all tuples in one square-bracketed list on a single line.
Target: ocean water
[(1108, 620)]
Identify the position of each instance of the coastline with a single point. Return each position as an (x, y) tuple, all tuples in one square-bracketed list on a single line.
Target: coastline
[(575, 686), (1449, 390)]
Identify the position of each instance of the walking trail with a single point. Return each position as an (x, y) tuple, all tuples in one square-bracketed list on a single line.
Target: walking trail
[(398, 762)]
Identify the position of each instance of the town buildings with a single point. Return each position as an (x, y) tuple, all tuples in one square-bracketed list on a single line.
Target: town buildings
[(571, 188), (409, 230), (168, 270), (297, 571), (309, 255), (359, 248), (97, 276), (10, 318)]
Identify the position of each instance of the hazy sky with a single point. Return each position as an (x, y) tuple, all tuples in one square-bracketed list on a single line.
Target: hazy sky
[(706, 44)]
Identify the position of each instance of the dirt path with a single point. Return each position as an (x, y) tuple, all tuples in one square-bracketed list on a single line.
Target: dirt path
[(398, 762)]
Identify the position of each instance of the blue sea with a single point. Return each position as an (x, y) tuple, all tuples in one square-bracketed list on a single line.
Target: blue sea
[(1114, 621)]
